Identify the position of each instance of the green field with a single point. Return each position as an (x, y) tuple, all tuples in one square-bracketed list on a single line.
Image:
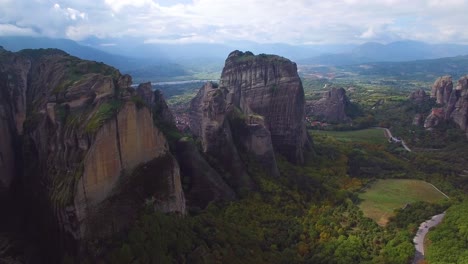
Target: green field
[(384, 196), (370, 135)]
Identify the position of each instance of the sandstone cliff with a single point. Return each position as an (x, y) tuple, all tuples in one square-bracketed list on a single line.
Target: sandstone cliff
[(331, 107), (84, 131), (269, 86), (203, 183), (454, 103), (442, 89), (209, 122), (257, 109)]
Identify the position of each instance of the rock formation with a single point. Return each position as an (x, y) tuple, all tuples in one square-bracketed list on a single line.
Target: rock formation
[(258, 108), (421, 103), (203, 183), (434, 118), (418, 95), (454, 102), (442, 89), (269, 86), (209, 122), (331, 107), (86, 138)]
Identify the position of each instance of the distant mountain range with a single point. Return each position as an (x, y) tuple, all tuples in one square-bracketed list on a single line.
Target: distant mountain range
[(121, 62), (158, 62), (160, 67), (392, 52), (418, 69)]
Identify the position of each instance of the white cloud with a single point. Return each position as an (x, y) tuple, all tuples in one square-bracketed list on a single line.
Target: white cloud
[(117, 5), (290, 21), (108, 44), (12, 30)]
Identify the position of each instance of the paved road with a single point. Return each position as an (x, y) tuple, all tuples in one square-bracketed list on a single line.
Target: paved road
[(394, 139), (421, 234)]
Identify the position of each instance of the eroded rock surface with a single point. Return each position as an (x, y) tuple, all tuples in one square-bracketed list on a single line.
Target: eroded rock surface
[(258, 108), (442, 89), (454, 102), (331, 107), (86, 136)]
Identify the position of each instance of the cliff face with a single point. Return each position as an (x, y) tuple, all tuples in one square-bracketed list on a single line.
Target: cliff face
[(209, 121), (442, 89), (205, 184), (331, 107), (13, 80), (257, 109), (454, 102), (83, 132), (420, 100), (269, 86)]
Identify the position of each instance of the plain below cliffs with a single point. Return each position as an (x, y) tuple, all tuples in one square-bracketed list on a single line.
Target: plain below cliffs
[(453, 103), (81, 148), (256, 110)]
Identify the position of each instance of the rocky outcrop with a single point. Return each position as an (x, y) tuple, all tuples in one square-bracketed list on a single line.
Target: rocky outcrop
[(269, 86), (418, 96), (203, 183), (209, 112), (87, 137), (458, 104), (331, 107), (454, 102), (257, 109), (442, 89), (420, 103), (156, 102), (434, 118)]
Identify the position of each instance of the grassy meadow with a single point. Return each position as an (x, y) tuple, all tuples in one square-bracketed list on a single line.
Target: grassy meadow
[(370, 135), (384, 196)]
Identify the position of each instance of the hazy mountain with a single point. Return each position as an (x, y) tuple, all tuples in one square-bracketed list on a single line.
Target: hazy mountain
[(119, 61), (395, 51), (418, 69), (160, 62), (186, 51)]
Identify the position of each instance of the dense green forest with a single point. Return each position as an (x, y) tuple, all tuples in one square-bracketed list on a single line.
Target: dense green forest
[(449, 240), (310, 214)]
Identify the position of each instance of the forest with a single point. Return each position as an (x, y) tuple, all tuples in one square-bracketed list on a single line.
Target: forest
[(310, 214)]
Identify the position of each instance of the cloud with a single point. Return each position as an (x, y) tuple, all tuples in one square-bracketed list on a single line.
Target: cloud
[(288, 21), (12, 30)]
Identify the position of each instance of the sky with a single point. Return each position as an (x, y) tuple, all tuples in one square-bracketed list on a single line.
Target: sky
[(221, 21)]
